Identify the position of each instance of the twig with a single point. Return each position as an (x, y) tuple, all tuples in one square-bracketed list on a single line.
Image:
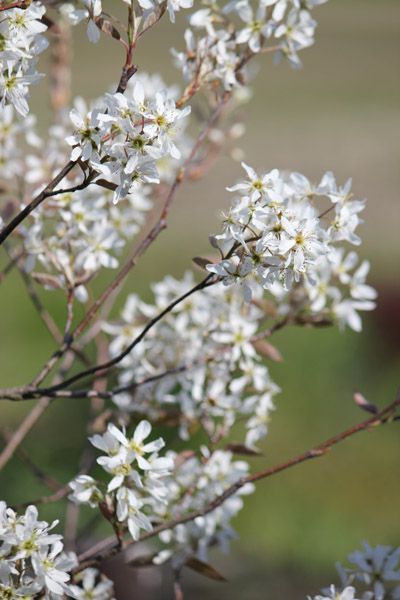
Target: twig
[(23, 394), (23, 4), (46, 193), (9, 267), (58, 495), (24, 428), (102, 367)]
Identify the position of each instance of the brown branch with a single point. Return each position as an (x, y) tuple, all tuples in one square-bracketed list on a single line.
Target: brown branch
[(133, 385), (46, 193), (24, 428), (106, 547), (58, 495), (43, 313), (23, 4), (11, 264)]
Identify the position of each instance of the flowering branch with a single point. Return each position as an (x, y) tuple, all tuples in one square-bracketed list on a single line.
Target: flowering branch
[(196, 363), (132, 260), (106, 547)]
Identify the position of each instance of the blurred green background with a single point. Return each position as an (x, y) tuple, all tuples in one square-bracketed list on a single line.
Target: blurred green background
[(340, 113)]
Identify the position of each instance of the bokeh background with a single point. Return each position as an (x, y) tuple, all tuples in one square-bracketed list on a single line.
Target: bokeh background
[(340, 113)]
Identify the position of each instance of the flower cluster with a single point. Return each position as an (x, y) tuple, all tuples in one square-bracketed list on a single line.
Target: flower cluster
[(123, 140), (137, 484), (280, 236), (204, 351), (33, 561), (193, 485), (74, 235), (32, 558), (20, 44), (375, 571), (224, 35)]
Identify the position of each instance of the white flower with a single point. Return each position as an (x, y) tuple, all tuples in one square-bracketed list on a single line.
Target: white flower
[(128, 509), (32, 560), (377, 568), (21, 43), (256, 25), (50, 566), (135, 446), (347, 594), (86, 139), (85, 491), (257, 186), (92, 585), (123, 452)]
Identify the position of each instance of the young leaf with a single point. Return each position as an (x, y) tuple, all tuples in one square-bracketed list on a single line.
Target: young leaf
[(242, 449), (268, 350), (364, 404), (201, 262), (204, 569)]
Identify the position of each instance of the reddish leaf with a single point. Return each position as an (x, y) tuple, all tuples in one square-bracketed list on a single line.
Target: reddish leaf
[(242, 449), (204, 569), (107, 27), (268, 350), (201, 262)]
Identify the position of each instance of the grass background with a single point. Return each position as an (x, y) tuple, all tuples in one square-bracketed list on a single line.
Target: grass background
[(339, 113)]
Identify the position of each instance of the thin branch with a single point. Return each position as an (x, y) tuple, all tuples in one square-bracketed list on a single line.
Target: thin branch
[(23, 4), (46, 193), (101, 368), (45, 316), (9, 267), (18, 436), (58, 495), (22, 394), (43, 313)]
